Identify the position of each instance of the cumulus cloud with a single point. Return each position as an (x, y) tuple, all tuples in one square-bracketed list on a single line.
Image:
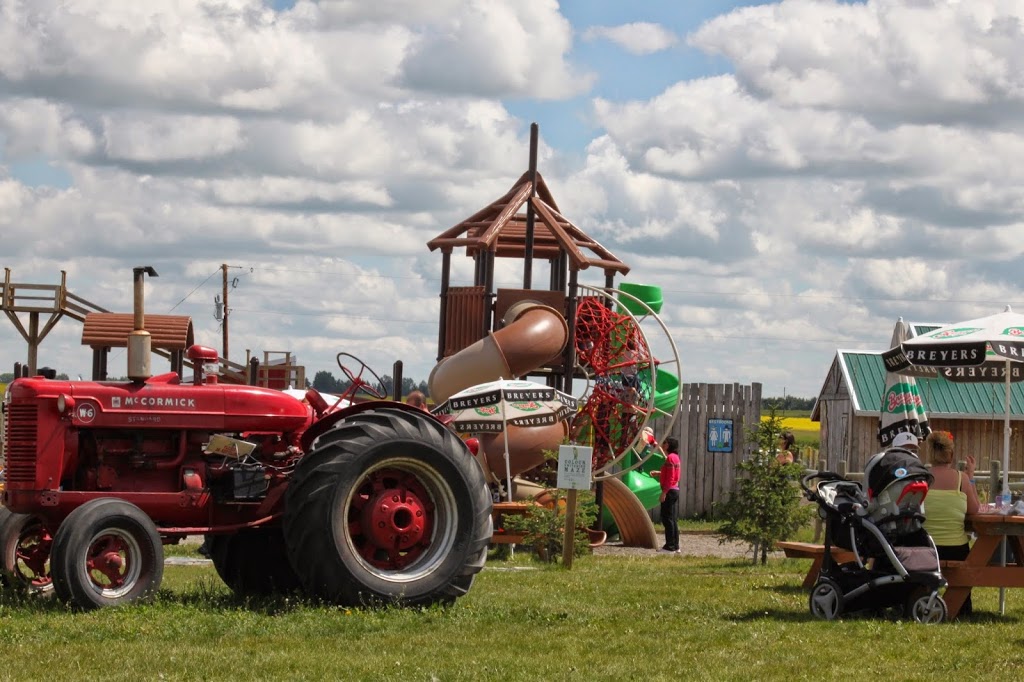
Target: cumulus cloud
[(933, 61), (497, 48), (853, 163), (637, 38)]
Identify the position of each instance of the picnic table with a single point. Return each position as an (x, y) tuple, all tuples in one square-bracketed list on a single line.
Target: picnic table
[(808, 550), (975, 570)]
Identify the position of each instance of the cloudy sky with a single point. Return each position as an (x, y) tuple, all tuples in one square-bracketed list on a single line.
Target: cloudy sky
[(795, 175)]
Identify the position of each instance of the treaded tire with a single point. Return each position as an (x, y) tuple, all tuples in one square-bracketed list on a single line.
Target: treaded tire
[(107, 552), (16, 529), (253, 562), (381, 472)]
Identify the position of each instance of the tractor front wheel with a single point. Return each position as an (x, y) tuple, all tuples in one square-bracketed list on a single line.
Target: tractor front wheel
[(388, 507), (106, 553), (25, 551)]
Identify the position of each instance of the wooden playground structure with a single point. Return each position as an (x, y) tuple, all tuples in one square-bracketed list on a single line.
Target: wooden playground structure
[(102, 330)]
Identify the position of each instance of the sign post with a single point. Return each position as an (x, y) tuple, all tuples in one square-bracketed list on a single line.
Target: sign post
[(574, 472)]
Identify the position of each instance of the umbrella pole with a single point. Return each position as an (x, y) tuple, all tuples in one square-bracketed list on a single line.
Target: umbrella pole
[(508, 466), (1006, 433), (1006, 476)]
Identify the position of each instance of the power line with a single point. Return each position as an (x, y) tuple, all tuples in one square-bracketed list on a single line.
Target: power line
[(198, 286), (333, 315)]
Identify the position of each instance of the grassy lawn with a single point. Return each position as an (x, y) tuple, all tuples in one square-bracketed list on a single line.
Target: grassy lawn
[(610, 618)]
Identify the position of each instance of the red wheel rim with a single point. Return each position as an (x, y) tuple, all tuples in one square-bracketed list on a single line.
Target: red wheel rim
[(32, 556), (390, 520), (111, 562)]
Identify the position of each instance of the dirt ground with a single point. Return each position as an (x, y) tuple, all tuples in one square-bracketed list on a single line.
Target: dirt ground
[(691, 544)]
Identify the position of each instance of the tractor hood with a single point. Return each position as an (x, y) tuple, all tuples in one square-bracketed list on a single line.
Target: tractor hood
[(162, 402)]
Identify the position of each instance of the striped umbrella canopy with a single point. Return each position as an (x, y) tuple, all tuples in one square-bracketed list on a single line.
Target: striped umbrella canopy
[(902, 409), (492, 406), (987, 349)]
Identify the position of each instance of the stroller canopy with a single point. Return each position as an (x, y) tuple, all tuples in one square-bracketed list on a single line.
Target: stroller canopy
[(895, 465)]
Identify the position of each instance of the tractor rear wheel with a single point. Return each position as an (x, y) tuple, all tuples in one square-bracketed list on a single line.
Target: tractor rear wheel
[(389, 507), (107, 552), (25, 552), (253, 562)]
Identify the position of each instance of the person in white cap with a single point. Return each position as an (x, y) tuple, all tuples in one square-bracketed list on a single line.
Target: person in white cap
[(904, 441)]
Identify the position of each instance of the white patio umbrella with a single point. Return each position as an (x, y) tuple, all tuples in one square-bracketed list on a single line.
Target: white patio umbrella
[(902, 409), (492, 406), (986, 350)]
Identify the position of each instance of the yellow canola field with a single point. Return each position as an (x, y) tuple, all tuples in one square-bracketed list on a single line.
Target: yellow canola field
[(800, 424)]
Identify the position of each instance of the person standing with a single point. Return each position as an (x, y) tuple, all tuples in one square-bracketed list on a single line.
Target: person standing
[(669, 479), (786, 444)]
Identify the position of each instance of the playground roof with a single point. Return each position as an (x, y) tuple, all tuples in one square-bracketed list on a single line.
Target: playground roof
[(501, 229)]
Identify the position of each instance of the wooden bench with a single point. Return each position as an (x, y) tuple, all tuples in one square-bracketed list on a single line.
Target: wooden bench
[(807, 550), (501, 510)]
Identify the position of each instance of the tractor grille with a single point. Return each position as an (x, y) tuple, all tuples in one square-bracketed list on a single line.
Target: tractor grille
[(21, 443)]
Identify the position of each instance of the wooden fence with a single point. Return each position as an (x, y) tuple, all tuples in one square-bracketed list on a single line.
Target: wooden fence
[(708, 477)]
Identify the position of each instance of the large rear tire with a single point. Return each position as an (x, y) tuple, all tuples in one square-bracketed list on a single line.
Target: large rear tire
[(107, 552), (25, 552), (388, 507), (253, 562)]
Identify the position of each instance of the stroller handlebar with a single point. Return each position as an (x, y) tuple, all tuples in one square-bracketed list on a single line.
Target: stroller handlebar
[(809, 492)]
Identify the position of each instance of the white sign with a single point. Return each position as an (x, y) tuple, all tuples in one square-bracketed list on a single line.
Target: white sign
[(574, 467)]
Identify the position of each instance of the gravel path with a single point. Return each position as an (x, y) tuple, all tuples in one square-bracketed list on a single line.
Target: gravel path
[(691, 544)]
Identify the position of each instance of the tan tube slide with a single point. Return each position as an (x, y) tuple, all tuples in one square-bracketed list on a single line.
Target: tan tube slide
[(531, 335)]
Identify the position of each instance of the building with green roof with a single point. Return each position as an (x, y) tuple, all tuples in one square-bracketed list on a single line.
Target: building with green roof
[(849, 408)]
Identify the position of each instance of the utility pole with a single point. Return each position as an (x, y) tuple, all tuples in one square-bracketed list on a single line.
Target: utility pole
[(224, 272)]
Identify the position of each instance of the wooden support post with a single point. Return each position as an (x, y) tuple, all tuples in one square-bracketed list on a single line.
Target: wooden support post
[(569, 538), (224, 334)]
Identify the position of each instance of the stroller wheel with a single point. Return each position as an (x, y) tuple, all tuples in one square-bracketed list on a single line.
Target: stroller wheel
[(922, 607), (826, 599)]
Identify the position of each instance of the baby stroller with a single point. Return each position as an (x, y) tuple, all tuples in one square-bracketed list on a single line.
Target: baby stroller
[(883, 529)]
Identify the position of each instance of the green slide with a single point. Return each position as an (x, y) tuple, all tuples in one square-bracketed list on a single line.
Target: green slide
[(666, 396)]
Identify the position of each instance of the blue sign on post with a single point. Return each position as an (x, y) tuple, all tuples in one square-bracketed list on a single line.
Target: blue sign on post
[(719, 435)]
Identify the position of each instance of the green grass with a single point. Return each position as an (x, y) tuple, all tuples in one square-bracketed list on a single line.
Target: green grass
[(609, 618)]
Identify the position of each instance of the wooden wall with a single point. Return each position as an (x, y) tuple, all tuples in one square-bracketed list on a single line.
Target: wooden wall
[(708, 478), (981, 438), (853, 439)]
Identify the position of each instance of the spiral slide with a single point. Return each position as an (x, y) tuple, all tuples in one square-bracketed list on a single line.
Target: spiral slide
[(532, 335), (640, 482)]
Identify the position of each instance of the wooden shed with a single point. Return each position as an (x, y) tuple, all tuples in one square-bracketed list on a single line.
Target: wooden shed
[(849, 409), (171, 334)]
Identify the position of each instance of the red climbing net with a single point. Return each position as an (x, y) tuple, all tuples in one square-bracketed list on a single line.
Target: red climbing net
[(613, 349)]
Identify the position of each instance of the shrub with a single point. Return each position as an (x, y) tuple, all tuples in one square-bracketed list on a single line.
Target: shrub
[(543, 528), (765, 507)]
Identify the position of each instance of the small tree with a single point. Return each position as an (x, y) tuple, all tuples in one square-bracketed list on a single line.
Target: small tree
[(543, 528), (766, 507)]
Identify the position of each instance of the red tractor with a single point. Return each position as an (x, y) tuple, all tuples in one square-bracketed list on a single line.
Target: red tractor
[(353, 503)]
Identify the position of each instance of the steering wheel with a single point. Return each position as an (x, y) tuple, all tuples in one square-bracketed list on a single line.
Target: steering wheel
[(356, 378)]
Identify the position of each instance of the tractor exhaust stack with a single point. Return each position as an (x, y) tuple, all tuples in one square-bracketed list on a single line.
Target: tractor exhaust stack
[(139, 340)]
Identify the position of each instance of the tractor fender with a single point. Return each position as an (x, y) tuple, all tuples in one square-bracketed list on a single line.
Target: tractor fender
[(328, 422)]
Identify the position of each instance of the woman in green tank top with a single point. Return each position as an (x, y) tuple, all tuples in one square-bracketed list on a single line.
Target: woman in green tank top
[(950, 497)]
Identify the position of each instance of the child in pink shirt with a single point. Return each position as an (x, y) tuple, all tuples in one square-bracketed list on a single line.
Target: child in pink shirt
[(669, 478)]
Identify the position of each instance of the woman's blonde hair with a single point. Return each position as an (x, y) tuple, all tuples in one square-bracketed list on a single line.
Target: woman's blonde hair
[(940, 447)]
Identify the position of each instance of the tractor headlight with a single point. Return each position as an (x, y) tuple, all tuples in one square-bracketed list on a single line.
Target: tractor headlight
[(65, 404)]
